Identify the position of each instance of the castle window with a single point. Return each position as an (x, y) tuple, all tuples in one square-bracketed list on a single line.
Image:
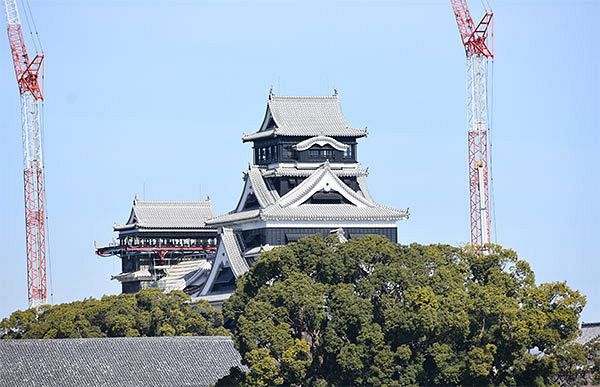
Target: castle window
[(262, 154), (327, 153), (348, 153), (288, 152), (321, 154)]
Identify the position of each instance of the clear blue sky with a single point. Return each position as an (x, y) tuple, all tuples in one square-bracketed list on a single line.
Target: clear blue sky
[(158, 94)]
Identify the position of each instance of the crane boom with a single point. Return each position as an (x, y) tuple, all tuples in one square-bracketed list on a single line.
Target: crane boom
[(463, 19), (478, 53), (28, 74)]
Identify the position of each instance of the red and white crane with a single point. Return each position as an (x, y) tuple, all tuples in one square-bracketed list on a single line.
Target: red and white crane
[(479, 55), (28, 74)]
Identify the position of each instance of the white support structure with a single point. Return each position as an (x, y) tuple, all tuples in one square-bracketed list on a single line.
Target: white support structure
[(477, 119)]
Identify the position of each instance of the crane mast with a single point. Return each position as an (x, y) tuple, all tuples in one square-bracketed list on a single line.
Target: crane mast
[(479, 54), (28, 74)]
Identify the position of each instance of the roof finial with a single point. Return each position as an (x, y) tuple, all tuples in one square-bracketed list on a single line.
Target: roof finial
[(208, 198), (271, 94), (335, 92)]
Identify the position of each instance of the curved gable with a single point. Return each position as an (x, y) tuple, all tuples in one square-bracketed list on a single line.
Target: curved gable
[(323, 179), (321, 140)]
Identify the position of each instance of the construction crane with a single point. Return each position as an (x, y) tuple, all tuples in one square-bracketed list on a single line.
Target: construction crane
[(479, 55), (28, 73)]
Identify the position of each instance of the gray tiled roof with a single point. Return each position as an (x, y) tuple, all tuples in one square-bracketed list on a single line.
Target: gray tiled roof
[(264, 196), (234, 217), (316, 212), (589, 331), (305, 172), (333, 212), (184, 274), (238, 263), (307, 116), (288, 207), (313, 180), (168, 215), (362, 184), (128, 361), (141, 274), (258, 250)]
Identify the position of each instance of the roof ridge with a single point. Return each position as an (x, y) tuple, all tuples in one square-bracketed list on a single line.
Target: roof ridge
[(147, 338), (170, 202), (170, 214), (334, 212), (259, 187), (304, 97)]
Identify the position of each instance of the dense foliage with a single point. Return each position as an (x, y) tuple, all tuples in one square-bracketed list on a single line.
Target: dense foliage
[(147, 313), (371, 312), (577, 365)]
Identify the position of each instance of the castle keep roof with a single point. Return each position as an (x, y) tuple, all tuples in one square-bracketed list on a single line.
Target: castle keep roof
[(304, 117)]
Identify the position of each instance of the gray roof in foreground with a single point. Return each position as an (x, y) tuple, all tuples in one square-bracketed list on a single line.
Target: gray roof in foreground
[(127, 361)]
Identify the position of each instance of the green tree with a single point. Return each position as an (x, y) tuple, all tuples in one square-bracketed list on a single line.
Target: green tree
[(149, 312), (371, 312), (578, 364), (593, 356)]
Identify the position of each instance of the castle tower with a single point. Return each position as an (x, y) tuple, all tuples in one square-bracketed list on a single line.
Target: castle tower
[(304, 179)]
